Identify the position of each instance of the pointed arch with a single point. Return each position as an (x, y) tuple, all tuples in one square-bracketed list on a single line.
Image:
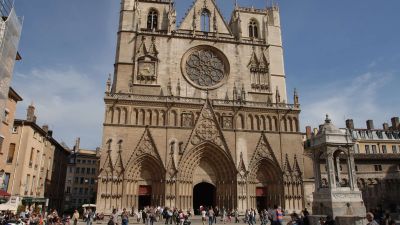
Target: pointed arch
[(110, 115), (162, 118), (134, 117), (269, 123), (124, 115), (149, 116), (264, 125), (275, 123), (253, 28), (205, 20), (290, 124), (295, 124), (250, 122), (239, 121), (156, 118), (117, 115), (141, 117), (257, 122), (174, 118)]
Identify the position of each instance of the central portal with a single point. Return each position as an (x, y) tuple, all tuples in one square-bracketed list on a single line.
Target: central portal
[(203, 195)]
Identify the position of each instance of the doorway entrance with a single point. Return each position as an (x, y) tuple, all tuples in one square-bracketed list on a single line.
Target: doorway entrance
[(144, 196), (203, 195), (261, 198)]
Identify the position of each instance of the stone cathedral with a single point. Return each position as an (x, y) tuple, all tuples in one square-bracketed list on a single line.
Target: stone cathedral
[(197, 113)]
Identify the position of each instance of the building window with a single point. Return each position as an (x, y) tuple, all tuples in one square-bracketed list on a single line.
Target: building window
[(86, 191), (374, 149), (384, 150), (253, 29), (1, 143), (68, 190), (367, 149), (77, 170), (79, 161), (356, 168), (6, 180), (31, 157), (76, 180), (75, 190), (6, 116), (15, 130), (82, 180), (87, 170), (152, 20), (11, 151), (205, 20), (93, 170), (394, 149), (27, 181), (92, 181), (378, 167)]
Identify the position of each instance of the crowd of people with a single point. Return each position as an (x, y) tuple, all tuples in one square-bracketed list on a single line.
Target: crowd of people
[(174, 216)]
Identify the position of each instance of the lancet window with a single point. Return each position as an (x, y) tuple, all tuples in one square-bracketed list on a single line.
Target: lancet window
[(152, 19), (253, 29), (205, 20)]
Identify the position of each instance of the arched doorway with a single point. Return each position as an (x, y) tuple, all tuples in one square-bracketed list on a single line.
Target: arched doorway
[(203, 195), (210, 164)]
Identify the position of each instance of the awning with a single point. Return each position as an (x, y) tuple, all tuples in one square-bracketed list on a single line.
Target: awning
[(30, 200), (4, 194), (89, 206)]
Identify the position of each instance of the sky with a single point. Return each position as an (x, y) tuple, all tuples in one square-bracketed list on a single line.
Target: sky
[(342, 56)]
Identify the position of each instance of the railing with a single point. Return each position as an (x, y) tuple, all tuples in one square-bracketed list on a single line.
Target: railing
[(200, 101)]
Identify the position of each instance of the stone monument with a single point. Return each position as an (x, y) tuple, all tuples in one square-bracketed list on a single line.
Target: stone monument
[(336, 193)]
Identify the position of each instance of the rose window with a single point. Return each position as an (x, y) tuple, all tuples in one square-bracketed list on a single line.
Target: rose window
[(205, 67)]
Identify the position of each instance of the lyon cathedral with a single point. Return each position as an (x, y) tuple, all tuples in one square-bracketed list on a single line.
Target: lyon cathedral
[(197, 113)]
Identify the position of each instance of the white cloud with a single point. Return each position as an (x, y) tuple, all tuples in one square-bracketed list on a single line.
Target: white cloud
[(70, 102), (358, 99)]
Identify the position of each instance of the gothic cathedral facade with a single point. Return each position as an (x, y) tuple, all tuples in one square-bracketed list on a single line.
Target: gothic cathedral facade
[(197, 112)]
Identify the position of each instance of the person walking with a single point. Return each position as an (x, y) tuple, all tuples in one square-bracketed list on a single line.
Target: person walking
[(236, 215), (75, 217), (211, 216), (125, 217), (90, 216), (203, 215)]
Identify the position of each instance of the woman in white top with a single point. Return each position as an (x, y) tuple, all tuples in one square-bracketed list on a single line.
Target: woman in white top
[(203, 215)]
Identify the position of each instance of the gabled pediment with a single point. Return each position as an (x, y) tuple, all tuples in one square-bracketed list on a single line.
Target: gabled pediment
[(107, 166), (263, 151), (207, 129), (192, 20), (145, 147)]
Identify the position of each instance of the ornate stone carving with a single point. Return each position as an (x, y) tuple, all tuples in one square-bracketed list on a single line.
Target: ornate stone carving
[(206, 129), (145, 146), (187, 120), (263, 151), (205, 67), (227, 122)]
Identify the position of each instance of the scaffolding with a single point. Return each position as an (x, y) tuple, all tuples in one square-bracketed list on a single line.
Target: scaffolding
[(10, 32), (5, 8)]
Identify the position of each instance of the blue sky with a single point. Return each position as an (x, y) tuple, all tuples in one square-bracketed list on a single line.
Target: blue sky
[(342, 56)]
